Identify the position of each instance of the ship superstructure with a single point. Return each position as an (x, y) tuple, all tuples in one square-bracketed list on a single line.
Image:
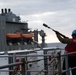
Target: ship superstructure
[(17, 39), (15, 33)]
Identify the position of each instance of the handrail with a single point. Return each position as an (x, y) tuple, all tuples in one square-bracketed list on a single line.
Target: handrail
[(9, 65), (43, 70)]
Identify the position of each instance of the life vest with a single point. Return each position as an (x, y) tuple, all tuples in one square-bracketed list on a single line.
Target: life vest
[(71, 47)]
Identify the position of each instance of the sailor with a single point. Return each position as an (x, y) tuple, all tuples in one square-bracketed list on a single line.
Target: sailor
[(70, 47)]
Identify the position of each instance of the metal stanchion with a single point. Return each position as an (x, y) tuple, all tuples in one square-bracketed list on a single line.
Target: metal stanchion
[(23, 66), (59, 63), (66, 64)]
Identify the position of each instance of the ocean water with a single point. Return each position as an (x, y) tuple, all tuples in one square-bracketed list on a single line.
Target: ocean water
[(59, 45)]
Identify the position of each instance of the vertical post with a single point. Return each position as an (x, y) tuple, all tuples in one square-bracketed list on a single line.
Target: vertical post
[(59, 63), (66, 64), (52, 68), (42, 34), (23, 66)]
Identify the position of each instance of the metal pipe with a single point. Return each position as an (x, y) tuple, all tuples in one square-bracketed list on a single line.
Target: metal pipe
[(2, 11), (32, 55), (5, 11), (9, 10), (59, 63), (9, 65), (6, 70), (68, 69), (66, 64), (27, 55), (36, 71), (31, 50)]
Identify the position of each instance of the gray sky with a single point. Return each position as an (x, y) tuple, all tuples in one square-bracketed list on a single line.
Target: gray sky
[(58, 14)]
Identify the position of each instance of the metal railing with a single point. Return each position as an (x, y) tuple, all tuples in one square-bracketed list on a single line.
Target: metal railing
[(56, 68)]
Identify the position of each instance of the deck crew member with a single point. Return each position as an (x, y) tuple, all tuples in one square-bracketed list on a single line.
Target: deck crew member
[(70, 47)]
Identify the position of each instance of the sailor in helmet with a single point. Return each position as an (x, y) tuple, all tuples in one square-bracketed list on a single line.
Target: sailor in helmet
[(70, 47)]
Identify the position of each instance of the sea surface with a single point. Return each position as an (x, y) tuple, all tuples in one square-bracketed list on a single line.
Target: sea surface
[(59, 45)]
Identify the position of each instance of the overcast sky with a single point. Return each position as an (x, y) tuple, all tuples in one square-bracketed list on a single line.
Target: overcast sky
[(58, 14)]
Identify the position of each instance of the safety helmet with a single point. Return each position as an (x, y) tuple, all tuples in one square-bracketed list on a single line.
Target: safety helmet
[(74, 32)]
